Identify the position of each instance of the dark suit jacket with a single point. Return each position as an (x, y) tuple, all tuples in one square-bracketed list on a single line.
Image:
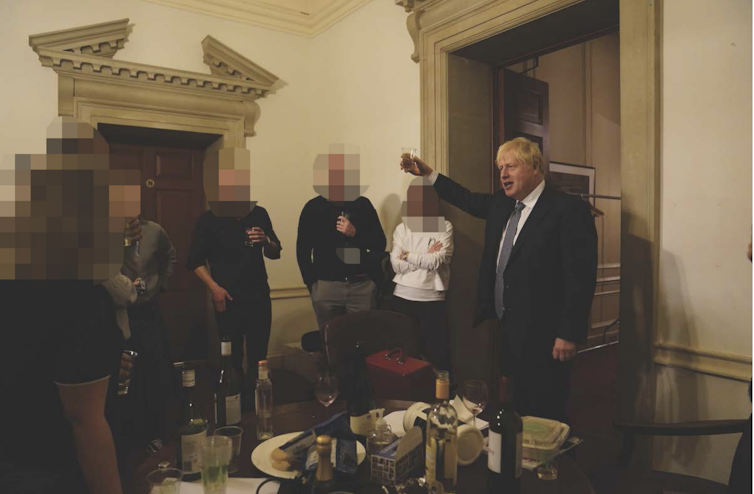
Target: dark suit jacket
[(551, 273)]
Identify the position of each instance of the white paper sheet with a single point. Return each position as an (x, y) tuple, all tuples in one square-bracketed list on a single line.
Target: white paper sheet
[(236, 485), (395, 421)]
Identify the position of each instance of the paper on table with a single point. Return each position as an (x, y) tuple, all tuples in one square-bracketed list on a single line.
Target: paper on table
[(236, 485), (395, 421)]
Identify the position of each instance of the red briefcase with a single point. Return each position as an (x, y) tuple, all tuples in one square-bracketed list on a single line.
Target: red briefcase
[(396, 376)]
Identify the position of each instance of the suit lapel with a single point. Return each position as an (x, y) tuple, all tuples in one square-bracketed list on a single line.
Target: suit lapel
[(540, 211)]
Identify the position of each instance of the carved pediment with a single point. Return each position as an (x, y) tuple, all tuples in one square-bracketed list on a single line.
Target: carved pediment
[(82, 58), (102, 40), (224, 61)]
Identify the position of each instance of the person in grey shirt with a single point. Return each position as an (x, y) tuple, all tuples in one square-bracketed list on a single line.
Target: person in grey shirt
[(144, 417)]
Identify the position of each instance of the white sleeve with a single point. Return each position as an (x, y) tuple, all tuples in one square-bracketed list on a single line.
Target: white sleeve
[(399, 266), (433, 176), (436, 259)]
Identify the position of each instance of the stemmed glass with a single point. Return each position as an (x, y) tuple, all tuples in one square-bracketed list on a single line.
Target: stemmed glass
[(475, 396), (326, 387)]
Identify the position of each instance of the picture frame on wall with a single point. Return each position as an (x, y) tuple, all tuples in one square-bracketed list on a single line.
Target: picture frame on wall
[(574, 179)]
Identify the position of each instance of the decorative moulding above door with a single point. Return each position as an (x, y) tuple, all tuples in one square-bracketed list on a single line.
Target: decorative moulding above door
[(89, 78), (102, 40)]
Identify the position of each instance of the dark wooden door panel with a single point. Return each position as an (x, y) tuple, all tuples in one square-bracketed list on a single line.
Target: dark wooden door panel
[(174, 199), (522, 111)]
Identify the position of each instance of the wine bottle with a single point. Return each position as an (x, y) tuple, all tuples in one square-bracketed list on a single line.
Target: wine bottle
[(228, 390), (505, 443), (441, 438), (360, 396), (263, 401), (192, 430), (325, 480)]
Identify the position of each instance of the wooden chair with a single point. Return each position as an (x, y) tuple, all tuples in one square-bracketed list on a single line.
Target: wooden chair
[(656, 482)]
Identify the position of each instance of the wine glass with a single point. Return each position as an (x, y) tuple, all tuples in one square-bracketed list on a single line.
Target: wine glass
[(475, 396), (326, 387)]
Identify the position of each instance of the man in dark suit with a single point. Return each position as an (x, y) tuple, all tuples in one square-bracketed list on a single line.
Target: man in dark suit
[(537, 274)]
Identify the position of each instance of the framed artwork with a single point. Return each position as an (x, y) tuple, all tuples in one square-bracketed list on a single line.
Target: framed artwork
[(575, 179)]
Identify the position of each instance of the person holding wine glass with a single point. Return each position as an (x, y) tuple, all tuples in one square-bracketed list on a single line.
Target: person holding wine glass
[(339, 238), (537, 273), (228, 237)]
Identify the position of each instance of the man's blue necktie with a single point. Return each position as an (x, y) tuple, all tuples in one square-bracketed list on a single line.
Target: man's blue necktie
[(505, 254)]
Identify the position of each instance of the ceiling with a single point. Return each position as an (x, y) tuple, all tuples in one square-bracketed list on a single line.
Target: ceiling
[(302, 17)]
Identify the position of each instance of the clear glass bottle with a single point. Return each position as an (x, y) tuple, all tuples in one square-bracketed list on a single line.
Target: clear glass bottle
[(381, 437), (192, 430), (263, 399), (227, 390), (441, 459)]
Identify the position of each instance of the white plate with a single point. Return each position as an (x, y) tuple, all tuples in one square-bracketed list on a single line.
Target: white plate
[(260, 457)]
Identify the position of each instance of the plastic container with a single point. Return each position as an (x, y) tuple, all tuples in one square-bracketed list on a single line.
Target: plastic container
[(543, 438)]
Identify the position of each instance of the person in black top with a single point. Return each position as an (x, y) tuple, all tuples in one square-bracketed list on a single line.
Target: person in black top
[(340, 239), (232, 236), (61, 342)]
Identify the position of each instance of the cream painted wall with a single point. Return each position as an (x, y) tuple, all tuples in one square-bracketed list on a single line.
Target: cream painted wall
[(365, 91), (706, 216), (355, 83)]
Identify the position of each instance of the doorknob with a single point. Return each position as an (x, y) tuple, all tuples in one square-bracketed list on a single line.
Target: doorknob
[(150, 183)]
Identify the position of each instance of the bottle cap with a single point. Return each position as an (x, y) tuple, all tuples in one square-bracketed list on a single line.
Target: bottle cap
[(262, 363), (442, 385), (189, 378)]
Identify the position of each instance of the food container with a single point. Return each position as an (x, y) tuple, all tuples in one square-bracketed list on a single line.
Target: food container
[(542, 438)]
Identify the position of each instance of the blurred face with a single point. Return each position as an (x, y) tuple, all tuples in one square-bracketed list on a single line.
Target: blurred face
[(337, 175), (227, 182), (516, 179)]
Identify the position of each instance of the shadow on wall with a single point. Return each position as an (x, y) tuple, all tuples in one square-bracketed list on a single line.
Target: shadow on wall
[(469, 346), (390, 210), (679, 397)]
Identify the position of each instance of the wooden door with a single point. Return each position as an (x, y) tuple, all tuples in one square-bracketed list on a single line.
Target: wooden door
[(172, 196), (522, 111)]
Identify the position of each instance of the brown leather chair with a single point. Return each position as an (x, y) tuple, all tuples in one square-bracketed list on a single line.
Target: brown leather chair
[(377, 329)]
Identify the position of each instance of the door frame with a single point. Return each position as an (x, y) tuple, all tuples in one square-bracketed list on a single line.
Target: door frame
[(441, 28)]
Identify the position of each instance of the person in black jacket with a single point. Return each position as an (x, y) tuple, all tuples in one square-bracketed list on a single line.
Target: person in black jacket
[(340, 238), (537, 273), (232, 236)]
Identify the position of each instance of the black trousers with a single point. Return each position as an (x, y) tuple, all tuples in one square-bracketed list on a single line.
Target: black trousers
[(248, 317), (433, 325), (541, 384)]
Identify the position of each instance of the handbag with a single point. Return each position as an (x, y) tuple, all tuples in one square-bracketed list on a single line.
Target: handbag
[(396, 376)]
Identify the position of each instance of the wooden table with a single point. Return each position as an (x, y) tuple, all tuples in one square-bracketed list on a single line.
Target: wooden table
[(472, 479)]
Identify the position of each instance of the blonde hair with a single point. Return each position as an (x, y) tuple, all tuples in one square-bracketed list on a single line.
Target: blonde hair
[(524, 152)]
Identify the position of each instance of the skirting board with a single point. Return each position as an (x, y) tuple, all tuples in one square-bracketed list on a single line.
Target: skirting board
[(727, 365)]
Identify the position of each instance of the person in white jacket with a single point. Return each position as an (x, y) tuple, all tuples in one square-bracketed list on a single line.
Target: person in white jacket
[(422, 249)]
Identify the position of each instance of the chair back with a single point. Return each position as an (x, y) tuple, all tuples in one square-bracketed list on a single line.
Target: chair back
[(377, 329)]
